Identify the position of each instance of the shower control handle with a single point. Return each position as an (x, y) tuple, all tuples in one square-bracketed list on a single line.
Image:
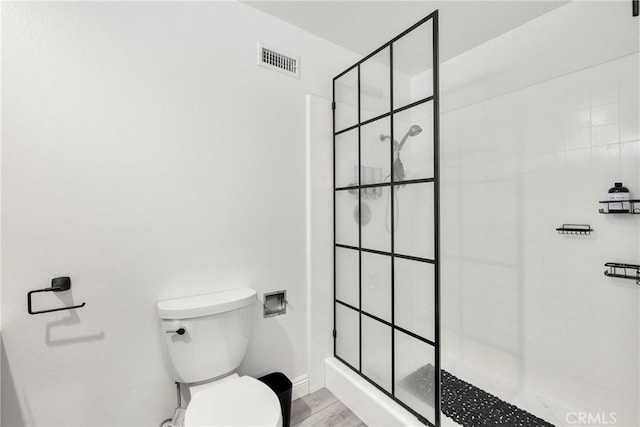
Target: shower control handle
[(179, 331)]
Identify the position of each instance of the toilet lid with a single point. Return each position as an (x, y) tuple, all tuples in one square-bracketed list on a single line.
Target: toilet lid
[(244, 401)]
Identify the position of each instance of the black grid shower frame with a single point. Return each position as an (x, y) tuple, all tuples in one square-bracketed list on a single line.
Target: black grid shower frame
[(434, 98)]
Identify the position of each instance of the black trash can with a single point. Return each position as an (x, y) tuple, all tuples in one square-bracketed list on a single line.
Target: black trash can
[(282, 386)]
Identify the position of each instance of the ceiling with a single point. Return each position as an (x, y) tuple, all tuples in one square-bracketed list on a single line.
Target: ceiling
[(362, 26)]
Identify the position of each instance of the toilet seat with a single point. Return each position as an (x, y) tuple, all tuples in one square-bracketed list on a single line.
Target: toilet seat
[(242, 401)]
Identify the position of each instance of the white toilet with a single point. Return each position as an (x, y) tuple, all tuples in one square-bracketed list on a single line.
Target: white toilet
[(206, 338)]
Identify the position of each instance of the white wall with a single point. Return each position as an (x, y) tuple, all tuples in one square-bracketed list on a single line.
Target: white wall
[(146, 156), (319, 237), (536, 126)]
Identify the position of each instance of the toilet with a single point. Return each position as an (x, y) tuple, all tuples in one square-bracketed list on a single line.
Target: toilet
[(205, 338)]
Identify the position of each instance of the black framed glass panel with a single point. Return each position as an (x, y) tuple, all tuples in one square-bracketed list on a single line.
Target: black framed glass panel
[(345, 96), (375, 87), (386, 219), (413, 78)]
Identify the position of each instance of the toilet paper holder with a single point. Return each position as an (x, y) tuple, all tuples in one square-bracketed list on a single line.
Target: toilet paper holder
[(58, 284), (275, 303)]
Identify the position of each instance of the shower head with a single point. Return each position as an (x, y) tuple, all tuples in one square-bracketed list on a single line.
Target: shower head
[(414, 130), (397, 146)]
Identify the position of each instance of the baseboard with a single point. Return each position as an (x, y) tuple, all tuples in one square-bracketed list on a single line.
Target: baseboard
[(300, 386)]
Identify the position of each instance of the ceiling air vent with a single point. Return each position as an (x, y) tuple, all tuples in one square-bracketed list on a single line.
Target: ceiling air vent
[(279, 61)]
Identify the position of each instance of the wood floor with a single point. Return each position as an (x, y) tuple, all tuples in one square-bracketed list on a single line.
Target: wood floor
[(322, 409)]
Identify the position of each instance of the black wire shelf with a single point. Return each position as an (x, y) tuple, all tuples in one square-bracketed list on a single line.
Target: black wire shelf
[(633, 207), (575, 229), (621, 271)]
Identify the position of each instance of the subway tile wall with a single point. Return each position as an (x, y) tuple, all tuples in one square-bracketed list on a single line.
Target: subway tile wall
[(532, 305)]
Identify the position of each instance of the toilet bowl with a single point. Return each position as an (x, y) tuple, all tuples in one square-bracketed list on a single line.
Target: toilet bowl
[(238, 401), (205, 338)]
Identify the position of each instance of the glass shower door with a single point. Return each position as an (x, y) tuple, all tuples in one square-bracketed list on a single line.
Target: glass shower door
[(386, 219)]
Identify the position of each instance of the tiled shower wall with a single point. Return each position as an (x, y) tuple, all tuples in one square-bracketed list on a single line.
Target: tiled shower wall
[(520, 301)]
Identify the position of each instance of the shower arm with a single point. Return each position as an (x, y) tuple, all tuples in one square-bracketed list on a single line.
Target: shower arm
[(397, 146), (403, 140)]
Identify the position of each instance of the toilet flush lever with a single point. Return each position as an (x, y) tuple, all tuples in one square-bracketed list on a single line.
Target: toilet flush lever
[(179, 331)]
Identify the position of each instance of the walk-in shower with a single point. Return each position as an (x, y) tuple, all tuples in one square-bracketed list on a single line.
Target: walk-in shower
[(386, 278), (522, 150)]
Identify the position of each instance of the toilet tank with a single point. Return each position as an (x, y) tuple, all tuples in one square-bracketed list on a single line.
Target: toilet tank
[(216, 334)]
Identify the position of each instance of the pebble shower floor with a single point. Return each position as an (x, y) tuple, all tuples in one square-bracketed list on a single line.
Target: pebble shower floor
[(467, 404)]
